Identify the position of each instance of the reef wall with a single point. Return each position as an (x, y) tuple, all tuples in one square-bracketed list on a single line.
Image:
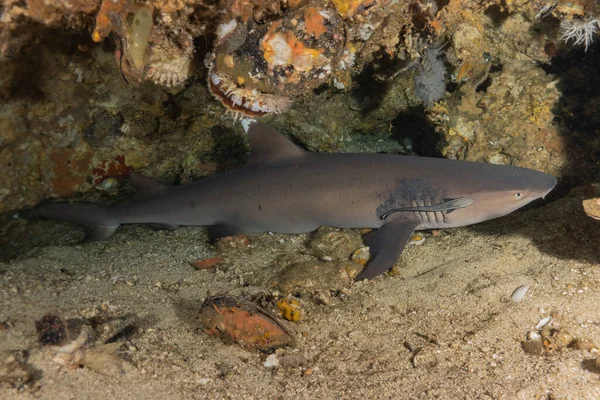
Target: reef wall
[(92, 90)]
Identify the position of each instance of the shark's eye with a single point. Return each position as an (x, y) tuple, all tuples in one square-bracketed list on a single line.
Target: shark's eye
[(518, 196)]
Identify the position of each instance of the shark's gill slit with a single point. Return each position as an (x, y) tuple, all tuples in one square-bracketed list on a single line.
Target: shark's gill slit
[(448, 205)]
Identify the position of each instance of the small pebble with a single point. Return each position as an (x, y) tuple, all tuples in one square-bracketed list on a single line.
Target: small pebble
[(533, 347), (361, 255), (416, 240), (272, 361), (51, 329), (543, 322), (14, 371), (292, 361), (207, 263), (585, 345), (564, 338), (519, 293), (323, 298)]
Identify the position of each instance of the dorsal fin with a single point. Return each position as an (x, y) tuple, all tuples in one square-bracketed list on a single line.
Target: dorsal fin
[(267, 145), (146, 187)]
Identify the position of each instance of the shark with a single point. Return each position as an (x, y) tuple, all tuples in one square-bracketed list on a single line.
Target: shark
[(285, 189)]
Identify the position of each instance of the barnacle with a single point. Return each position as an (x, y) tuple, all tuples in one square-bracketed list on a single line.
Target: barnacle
[(171, 60), (171, 72)]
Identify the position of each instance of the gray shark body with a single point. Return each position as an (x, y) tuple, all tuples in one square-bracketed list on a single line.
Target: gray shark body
[(285, 189)]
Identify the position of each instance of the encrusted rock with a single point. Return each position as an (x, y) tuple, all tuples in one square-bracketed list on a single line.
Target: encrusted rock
[(14, 371), (310, 277), (533, 347), (333, 244)]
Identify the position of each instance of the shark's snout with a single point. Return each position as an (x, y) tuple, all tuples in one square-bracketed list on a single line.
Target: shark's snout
[(551, 187), (534, 183), (545, 184)]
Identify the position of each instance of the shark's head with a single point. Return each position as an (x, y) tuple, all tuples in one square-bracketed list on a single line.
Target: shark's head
[(500, 190)]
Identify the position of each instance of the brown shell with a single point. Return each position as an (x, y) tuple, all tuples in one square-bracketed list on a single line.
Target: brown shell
[(592, 208), (236, 320)]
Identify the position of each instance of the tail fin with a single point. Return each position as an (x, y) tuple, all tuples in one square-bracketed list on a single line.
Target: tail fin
[(97, 218)]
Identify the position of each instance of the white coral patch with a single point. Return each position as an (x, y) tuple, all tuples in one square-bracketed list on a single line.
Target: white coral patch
[(282, 50), (347, 60), (325, 14), (226, 28), (581, 32)]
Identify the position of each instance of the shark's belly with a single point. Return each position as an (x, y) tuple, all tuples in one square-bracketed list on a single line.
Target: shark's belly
[(299, 215)]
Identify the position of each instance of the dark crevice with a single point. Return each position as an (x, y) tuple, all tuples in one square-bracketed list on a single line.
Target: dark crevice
[(577, 113), (497, 14), (414, 126)]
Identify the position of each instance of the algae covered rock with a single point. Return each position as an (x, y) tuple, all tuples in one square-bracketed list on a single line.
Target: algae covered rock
[(312, 277), (333, 244)]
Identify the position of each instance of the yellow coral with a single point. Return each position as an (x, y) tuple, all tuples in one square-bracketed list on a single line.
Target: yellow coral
[(109, 10), (290, 309), (348, 8), (539, 112)]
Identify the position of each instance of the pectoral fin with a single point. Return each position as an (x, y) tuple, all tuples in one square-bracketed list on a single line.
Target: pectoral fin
[(99, 232), (386, 245)]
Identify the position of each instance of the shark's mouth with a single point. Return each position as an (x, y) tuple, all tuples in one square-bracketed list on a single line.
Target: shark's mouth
[(242, 100)]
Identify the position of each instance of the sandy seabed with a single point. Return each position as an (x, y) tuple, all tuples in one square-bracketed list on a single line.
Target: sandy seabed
[(444, 327)]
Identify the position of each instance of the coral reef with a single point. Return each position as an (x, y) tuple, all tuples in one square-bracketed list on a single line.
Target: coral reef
[(510, 123), (72, 126)]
